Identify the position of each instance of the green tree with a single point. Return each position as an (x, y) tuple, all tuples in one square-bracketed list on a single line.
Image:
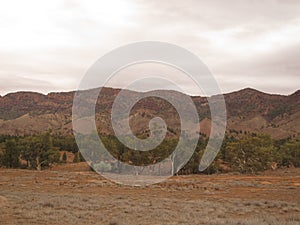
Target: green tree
[(250, 154), (289, 153), (64, 157), (10, 157), (38, 151), (76, 157)]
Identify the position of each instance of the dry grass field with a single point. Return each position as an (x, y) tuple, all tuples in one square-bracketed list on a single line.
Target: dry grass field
[(71, 194)]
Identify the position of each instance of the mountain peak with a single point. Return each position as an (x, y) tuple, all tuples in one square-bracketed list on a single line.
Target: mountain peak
[(296, 93), (250, 90), (245, 91)]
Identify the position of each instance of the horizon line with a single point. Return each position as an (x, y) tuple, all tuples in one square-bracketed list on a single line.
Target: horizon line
[(117, 88)]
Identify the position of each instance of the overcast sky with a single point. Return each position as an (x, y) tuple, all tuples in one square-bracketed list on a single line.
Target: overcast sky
[(48, 45)]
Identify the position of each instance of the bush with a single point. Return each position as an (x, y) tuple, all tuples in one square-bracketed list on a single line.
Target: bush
[(102, 166)]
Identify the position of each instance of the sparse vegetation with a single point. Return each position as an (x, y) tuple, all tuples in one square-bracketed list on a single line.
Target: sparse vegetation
[(63, 196)]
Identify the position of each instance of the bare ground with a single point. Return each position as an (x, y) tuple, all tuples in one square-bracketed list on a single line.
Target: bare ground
[(70, 194)]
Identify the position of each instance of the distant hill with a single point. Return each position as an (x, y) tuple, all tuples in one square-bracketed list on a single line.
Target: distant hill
[(248, 110)]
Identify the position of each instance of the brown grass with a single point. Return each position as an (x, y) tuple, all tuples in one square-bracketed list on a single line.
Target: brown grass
[(62, 196)]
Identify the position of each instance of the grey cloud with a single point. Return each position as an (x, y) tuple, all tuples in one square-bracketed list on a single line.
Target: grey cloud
[(276, 72), (284, 62), (13, 83), (219, 14), (185, 23)]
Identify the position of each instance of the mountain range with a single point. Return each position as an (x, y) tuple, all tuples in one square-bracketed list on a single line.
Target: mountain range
[(248, 110)]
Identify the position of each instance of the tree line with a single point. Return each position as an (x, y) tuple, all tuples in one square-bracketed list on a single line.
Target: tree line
[(37, 151), (249, 153)]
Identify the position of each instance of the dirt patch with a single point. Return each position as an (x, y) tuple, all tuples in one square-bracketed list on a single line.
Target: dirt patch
[(3, 201)]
